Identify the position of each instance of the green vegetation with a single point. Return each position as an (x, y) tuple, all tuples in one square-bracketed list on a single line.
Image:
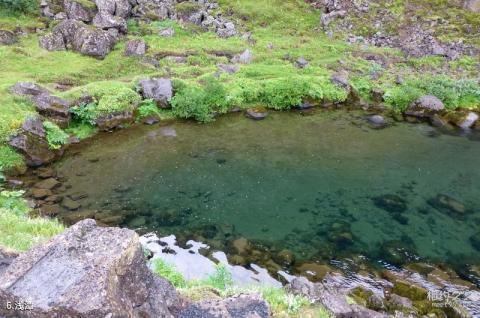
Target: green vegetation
[(220, 283), (19, 6), (18, 231), (56, 137)]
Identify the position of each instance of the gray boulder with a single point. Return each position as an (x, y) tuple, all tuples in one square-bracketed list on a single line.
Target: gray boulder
[(228, 68), (333, 300), (467, 121), (7, 38), (81, 11), (27, 89), (80, 37), (425, 106), (135, 48), (167, 33), (240, 306), (340, 79), (158, 89), (119, 8), (105, 21), (301, 62), (88, 271), (244, 58), (155, 9), (226, 30), (258, 113)]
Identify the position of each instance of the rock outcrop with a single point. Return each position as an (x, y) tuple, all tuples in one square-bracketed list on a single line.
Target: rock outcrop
[(158, 89), (31, 142), (7, 37), (80, 37), (88, 271)]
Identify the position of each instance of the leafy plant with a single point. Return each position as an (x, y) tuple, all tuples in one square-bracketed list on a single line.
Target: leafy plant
[(200, 103), (147, 108), (84, 113), (56, 137), (12, 200), (169, 272), (221, 279)]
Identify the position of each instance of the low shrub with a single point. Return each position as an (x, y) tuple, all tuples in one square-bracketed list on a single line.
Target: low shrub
[(147, 108), (169, 272), (200, 102), (56, 137)]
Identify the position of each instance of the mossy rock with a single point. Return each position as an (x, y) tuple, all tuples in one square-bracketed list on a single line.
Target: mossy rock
[(87, 4), (412, 292)]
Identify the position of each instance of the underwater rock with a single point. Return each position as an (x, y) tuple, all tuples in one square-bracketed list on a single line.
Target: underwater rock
[(71, 205), (340, 234), (50, 209), (314, 271), (48, 184), (257, 113), (45, 173), (398, 252), (74, 217), (448, 205), (391, 203), (39, 194), (377, 121), (284, 258), (241, 245)]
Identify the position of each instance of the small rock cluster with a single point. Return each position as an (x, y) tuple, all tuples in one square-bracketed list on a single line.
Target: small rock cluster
[(92, 27)]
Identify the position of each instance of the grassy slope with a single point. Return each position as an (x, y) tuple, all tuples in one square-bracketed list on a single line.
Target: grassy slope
[(290, 27)]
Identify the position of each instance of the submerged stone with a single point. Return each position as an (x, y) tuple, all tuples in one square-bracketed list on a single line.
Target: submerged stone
[(391, 203), (448, 205), (475, 240)]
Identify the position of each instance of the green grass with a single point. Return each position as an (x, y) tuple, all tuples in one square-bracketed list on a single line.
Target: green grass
[(18, 231)]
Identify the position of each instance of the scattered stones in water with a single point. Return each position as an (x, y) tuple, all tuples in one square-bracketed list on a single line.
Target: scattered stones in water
[(39, 194), (122, 189), (221, 161), (151, 120), (70, 204), (168, 132), (284, 258), (390, 203), (315, 272), (48, 184), (78, 196), (45, 173), (257, 113), (50, 209), (340, 234), (241, 245), (74, 217), (448, 205)]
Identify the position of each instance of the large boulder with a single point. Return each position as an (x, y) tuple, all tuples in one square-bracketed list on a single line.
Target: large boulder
[(7, 37), (80, 10), (87, 272), (79, 36), (30, 142), (333, 300), (425, 106), (158, 89)]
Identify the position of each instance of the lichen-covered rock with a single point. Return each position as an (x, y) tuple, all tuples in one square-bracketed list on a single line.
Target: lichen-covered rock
[(119, 8), (88, 271), (105, 21), (158, 89), (80, 10), (472, 5), (135, 48), (425, 106), (79, 36), (167, 33), (155, 9), (7, 37)]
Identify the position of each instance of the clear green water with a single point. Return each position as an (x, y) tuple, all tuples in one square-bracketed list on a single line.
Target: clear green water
[(311, 184)]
